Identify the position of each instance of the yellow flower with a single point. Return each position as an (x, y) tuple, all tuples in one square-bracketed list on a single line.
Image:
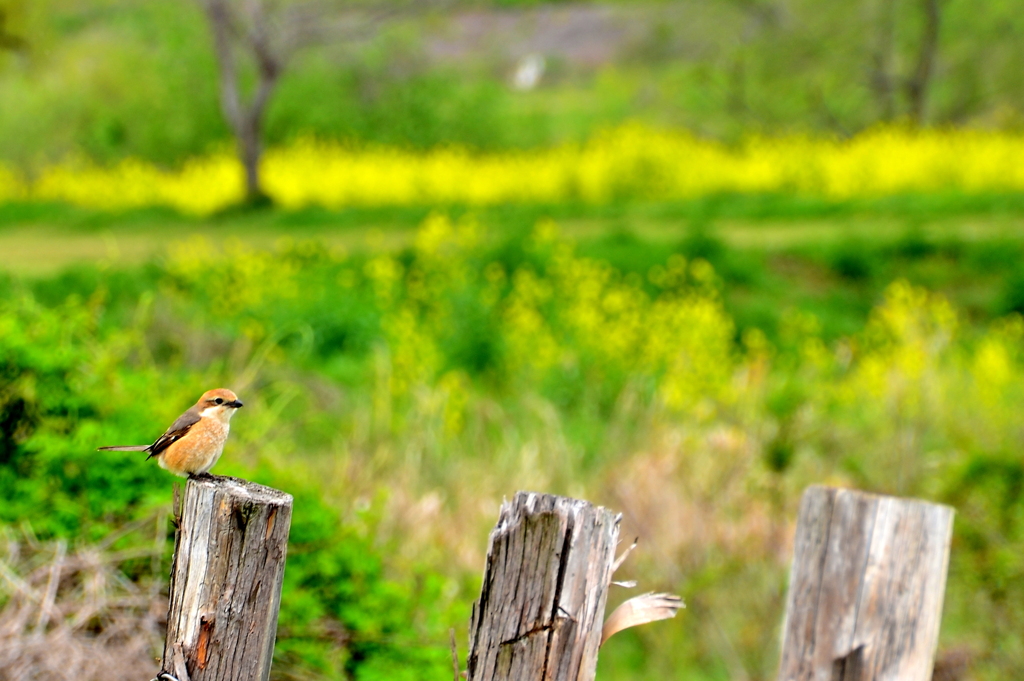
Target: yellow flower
[(631, 161)]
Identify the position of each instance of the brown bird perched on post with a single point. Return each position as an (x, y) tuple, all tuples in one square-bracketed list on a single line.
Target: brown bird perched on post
[(195, 441)]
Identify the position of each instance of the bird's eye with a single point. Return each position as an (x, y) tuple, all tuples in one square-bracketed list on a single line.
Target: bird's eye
[(219, 400)]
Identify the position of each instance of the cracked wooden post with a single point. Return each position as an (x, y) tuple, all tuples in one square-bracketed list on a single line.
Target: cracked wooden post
[(866, 588), (541, 607), (226, 580)]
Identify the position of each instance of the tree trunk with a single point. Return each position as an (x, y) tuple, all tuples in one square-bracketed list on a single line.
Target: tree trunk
[(250, 135), (245, 120), (250, 152), (881, 58), (919, 82)]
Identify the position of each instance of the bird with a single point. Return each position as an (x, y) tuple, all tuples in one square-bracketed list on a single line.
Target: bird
[(194, 442)]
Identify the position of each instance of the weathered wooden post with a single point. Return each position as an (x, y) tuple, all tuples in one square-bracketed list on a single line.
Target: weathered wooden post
[(226, 580), (541, 607), (866, 588)]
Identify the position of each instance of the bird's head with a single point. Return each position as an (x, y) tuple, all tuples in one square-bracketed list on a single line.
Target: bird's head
[(220, 404)]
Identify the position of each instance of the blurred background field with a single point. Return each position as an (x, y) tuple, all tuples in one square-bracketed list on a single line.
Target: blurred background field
[(680, 259)]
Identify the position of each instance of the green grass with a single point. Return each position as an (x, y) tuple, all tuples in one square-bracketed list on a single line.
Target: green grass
[(96, 347), (103, 77), (773, 253)]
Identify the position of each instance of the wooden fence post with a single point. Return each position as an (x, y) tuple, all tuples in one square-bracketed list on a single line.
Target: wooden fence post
[(866, 588), (542, 603), (226, 580)]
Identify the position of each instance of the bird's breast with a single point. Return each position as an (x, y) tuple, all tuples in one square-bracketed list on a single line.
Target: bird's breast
[(198, 450)]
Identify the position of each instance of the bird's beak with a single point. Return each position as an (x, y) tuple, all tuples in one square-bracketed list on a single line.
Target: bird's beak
[(234, 405)]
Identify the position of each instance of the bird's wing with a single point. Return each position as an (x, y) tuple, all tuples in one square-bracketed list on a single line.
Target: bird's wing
[(175, 432)]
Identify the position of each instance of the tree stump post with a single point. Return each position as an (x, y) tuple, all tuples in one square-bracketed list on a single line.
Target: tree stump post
[(226, 580), (866, 588), (545, 586)]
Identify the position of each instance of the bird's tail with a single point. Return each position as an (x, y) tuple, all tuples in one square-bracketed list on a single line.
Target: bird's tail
[(124, 448)]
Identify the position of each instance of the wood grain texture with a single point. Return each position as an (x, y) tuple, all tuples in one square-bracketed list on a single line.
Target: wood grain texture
[(866, 587), (545, 586), (226, 579)]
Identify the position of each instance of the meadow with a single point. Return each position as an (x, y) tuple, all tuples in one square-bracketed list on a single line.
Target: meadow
[(691, 360), (721, 260)]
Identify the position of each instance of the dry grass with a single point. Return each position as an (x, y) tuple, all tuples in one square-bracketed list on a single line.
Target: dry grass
[(74, 614)]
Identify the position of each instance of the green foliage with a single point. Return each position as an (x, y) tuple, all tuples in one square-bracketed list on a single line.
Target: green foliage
[(1013, 293), (852, 260), (412, 108), (73, 377), (621, 368), (83, 93), (78, 89), (342, 618), (398, 395), (58, 385)]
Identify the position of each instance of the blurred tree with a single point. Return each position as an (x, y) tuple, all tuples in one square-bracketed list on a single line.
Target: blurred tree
[(264, 35), (722, 68), (847, 66), (916, 83), (245, 27)]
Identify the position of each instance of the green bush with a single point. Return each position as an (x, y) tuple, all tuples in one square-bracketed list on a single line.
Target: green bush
[(459, 368), (63, 393), (342, 618), (72, 378)]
